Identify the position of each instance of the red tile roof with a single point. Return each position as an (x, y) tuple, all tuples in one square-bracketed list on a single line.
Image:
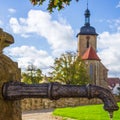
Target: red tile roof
[(90, 54), (113, 81)]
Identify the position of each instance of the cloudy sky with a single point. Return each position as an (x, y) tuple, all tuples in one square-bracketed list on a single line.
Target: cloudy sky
[(40, 37)]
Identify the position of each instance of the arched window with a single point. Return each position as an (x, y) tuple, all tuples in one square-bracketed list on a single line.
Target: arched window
[(88, 42)]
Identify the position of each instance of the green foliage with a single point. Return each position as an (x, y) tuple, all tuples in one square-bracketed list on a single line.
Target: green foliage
[(90, 112), (32, 75), (69, 69), (53, 4), (26, 78)]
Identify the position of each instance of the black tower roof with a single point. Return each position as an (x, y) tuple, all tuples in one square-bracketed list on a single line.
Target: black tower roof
[(87, 29)]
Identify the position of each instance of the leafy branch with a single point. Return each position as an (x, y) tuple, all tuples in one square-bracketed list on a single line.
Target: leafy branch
[(53, 4)]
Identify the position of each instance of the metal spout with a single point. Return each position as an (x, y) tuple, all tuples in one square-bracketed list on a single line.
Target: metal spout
[(86, 91), (54, 91), (111, 115)]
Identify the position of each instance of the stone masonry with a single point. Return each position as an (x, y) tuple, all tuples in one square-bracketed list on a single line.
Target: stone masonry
[(9, 71)]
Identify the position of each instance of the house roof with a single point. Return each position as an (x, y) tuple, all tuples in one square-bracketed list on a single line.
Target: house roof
[(90, 54), (113, 81)]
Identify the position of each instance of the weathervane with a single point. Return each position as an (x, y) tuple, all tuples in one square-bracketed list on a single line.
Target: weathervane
[(87, 4)]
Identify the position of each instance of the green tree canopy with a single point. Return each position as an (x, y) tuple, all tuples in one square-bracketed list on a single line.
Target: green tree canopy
[(52, 4), (69, 69), (32, 75)]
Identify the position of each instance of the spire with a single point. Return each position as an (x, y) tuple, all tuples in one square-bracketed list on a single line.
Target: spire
[(87, 4), (87, 29), (87, 16)]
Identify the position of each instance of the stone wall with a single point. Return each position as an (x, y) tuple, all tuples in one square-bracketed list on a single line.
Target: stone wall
[(9, 110), (39, 103), (117, 98)]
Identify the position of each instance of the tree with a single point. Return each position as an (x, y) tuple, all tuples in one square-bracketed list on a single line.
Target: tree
[(52, 4), (32, 75), (69, 69)]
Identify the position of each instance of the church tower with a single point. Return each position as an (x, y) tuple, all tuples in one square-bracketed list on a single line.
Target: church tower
[(87, 50), (87, 36)]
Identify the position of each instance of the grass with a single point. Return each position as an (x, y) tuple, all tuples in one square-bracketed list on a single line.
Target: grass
[(89, 112)]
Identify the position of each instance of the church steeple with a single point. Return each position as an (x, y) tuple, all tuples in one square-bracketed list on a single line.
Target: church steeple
[(87, 16), (87, 29), (87, 37)]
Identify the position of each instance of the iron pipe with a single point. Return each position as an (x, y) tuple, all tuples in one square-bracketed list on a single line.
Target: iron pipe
[(17, 90)]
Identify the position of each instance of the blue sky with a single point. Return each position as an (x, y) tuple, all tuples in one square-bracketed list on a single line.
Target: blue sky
[(40, 36)]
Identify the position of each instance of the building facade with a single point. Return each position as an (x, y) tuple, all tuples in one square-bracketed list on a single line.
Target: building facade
[(87, 50)]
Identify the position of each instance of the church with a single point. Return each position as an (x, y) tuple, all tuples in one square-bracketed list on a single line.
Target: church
[(87, 51)]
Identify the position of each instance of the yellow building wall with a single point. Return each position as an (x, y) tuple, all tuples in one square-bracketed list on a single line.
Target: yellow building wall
[(99, 76), (82, 43)]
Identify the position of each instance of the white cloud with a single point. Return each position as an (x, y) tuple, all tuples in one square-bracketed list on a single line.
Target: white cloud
[(15, 25), (26, 55), (11, 10), (118, 5), (109, 45), (114, 24), (58, 34)]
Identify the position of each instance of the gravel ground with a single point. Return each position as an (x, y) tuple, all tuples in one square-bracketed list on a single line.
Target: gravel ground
[(45, 114)]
